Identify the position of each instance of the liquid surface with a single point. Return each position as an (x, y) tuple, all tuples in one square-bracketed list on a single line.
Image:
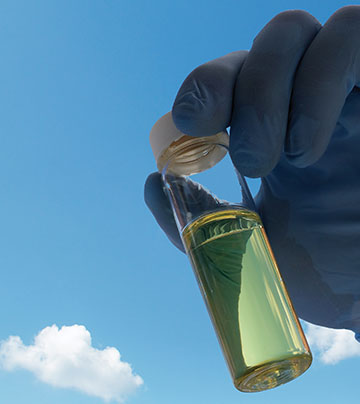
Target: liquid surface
[(260, 335)]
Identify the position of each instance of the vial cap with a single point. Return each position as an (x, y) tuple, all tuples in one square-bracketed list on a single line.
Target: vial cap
[(188, 154)]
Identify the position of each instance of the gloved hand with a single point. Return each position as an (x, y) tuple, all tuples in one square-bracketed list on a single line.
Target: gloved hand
[(293, 106)]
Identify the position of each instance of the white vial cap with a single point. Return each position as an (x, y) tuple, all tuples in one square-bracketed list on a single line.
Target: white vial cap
[(163, 135)]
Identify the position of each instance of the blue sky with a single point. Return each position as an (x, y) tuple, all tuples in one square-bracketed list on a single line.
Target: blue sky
[(82, 82)]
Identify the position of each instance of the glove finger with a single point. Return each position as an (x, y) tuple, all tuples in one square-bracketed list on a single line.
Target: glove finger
[(263, 91), (327, 74), (159, 205), (203, 104)]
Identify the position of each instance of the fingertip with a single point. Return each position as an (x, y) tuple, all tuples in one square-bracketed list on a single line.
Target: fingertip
[(256, 141), (302, 159), (302, 145), (305, 143), (252, 164)]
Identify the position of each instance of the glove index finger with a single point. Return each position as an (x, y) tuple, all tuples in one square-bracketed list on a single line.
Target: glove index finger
[(203, 105)]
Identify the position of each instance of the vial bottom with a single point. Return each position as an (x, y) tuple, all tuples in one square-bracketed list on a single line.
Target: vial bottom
[(274, 374)]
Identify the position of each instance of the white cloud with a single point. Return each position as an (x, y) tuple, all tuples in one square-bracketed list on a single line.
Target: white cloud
[(331, 345), (65, 358)]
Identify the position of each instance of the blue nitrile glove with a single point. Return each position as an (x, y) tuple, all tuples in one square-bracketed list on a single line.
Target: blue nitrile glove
[(293, 106)]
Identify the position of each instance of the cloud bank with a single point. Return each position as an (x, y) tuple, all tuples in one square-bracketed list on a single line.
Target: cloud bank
[(65, 358), (331, 345)]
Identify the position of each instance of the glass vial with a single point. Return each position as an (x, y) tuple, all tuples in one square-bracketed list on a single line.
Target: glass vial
[(259, 333)]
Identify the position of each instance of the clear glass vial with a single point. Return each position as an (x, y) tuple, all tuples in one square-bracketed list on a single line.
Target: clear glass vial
[(259, 333)]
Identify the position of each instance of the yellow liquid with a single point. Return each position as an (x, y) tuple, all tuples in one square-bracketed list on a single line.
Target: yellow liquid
[(256, 325)]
